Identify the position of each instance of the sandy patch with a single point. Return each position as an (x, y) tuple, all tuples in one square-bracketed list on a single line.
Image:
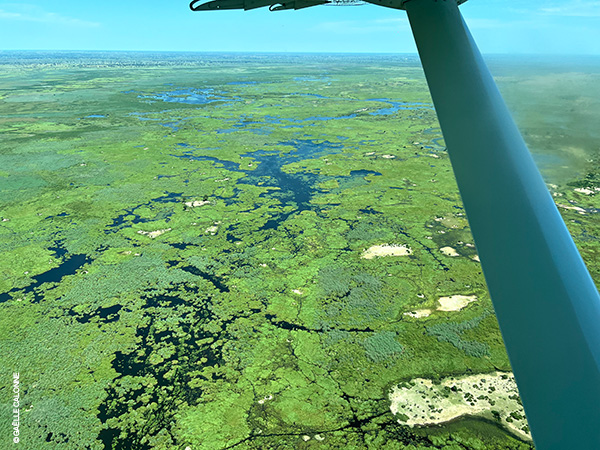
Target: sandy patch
[(449, 251), (419, 313), (388, 156), (453, 303), (454, 222), (297, 291), (386, 250), (421, 402), (574, 208), (476, 258), (265, 399), (196, 203), (456, 302), (154, 234), (212, 230), (585, 191)]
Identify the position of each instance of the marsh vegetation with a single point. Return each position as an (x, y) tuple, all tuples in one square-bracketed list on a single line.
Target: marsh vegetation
[(183, 247)]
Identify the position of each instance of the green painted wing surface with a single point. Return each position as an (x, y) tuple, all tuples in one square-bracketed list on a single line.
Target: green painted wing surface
[(215, 5)]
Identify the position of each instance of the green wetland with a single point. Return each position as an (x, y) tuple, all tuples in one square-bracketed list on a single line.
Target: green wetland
[(206, 251)]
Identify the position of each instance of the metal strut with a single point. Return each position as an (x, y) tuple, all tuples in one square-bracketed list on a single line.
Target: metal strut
[(545, 300)]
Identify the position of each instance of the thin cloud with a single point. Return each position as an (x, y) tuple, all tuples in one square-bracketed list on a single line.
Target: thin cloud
[(575, 8), (33, 13)]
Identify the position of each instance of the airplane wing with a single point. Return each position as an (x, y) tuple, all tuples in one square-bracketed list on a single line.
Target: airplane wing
[(274, 5), (215, 5)]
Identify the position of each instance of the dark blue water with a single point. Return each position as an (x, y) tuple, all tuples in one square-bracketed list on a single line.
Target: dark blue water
[(59, 251), (172, 125), (396, 106), (294, 190), (437, 141), (242, 82), (129, 215), (62, 214), (190, 96), (106, 315), (320, 118), (205, 96), (300, 94), (312, 79), (68, 267), (246, 123)]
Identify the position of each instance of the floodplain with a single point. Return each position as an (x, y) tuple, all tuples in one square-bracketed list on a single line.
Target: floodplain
[(238, 251)]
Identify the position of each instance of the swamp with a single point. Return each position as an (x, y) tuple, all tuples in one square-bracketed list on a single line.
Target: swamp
[(260, 251)]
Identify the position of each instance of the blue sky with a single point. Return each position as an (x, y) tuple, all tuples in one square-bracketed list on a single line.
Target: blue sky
[(499, 26)]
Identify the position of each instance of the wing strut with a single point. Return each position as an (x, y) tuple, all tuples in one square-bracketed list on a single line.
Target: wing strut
[(546, 302)]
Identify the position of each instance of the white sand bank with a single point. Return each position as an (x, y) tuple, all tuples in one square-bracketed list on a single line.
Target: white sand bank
[(386, 250), (421, 402)]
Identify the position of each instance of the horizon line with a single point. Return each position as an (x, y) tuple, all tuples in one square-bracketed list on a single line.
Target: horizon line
[(267, 52)]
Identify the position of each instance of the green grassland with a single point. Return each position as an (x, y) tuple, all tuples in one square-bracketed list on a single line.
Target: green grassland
[(249, 319)]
